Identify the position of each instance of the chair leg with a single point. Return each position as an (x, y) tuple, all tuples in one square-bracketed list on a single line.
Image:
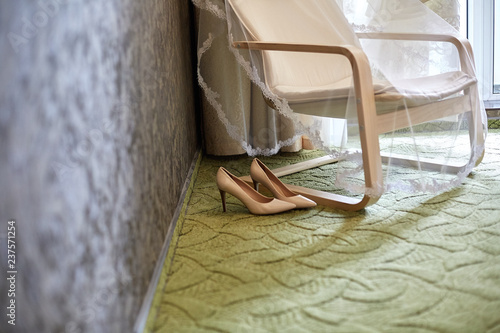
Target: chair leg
[(306, 165), (476, 139), (421, 162), (334, 200), (329, 199), (372, 164), (476, 135)]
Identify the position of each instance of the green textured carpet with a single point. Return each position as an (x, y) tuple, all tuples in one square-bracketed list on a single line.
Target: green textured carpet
[(494, 124), (410, 263)]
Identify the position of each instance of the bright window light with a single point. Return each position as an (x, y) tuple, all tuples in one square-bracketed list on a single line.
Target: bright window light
[(479, 18)]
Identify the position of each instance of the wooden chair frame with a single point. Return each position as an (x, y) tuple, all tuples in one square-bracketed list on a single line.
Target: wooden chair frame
[(367, 115)]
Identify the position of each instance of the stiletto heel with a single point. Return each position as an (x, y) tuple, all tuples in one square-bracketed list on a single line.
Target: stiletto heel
[(255, 185), (223, 199), (253, 200), (261, 174)]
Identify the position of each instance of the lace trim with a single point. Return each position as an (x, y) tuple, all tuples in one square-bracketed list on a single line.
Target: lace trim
[(281, 106), (232, 130), (212, 96), (365, 28), (210, 7)]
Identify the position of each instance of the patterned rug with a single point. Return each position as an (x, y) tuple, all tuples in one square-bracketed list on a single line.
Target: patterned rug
[(410, 263)]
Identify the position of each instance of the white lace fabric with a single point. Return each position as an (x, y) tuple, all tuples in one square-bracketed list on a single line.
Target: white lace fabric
[(409, 72)]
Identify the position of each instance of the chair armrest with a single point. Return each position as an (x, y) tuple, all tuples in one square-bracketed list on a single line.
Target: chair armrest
[(294, 47), (462, 44), (363, 82), (365, 99), (356, 56)]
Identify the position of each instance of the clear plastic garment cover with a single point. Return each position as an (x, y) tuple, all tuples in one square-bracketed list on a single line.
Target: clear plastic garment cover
[(398, 79)]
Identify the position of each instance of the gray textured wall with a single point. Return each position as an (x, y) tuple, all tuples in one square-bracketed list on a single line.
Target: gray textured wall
[(97, 132)]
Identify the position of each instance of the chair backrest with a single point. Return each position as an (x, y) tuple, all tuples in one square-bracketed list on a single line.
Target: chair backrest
[(298, 21)]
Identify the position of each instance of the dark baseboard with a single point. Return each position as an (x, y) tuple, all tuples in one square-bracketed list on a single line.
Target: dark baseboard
[(142, 317)]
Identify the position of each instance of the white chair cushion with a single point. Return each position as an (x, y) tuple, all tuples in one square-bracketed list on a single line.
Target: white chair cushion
[(308, 78)]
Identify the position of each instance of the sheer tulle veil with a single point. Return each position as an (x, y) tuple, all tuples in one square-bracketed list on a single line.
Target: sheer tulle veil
[(306, 95)]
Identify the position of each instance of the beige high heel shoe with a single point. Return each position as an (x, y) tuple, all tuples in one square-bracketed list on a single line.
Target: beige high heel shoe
[(253, 200), (261, 174)]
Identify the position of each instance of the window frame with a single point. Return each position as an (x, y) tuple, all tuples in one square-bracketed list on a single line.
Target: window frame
[(480, 31)]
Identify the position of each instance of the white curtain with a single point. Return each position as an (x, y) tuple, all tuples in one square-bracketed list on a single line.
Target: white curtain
[(220, 67)]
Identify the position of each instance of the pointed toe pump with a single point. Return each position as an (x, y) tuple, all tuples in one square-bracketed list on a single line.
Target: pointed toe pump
[(261, 174), (255, 202)]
